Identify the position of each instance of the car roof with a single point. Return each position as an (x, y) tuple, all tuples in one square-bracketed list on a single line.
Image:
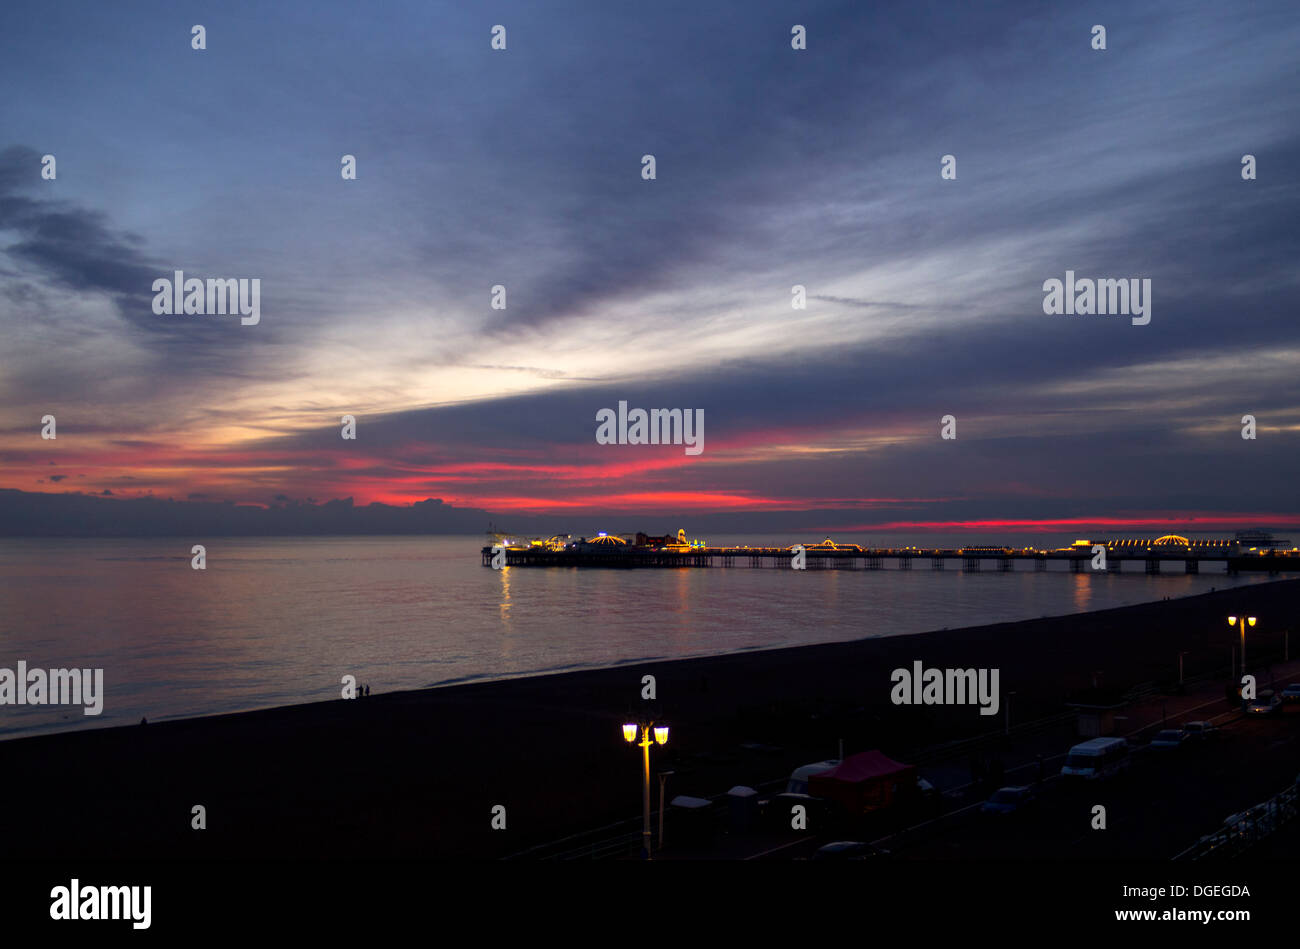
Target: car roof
[(1097, 744)]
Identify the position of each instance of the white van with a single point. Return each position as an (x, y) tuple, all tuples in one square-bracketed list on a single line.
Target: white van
[(798, 783), (1098, 758)]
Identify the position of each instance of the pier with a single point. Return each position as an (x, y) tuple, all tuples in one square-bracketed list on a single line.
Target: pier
[(1169, 554)]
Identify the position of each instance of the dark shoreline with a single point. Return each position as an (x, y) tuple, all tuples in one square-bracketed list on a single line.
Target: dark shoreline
[(417, 773)]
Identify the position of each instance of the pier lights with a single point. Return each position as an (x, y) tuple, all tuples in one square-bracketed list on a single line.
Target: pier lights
[(1242, 621), (660, 733)]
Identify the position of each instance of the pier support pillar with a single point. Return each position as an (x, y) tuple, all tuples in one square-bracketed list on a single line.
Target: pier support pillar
[(936, 563), (1192, 566)]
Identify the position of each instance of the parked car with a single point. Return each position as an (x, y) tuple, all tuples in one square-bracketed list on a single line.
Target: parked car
[(1267, 702), (1006, 801), (798, 783), (1199, 731), (1170, 738), (1291, 694), (848, 850), (777, 812)]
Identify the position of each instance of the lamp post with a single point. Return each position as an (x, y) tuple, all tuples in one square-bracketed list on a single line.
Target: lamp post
[(1180, 668), (661, 738), (1242, 621), (663, 777)]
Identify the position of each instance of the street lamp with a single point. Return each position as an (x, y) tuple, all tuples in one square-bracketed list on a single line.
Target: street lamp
[(663, 777), (661, 738), (1233, 621)]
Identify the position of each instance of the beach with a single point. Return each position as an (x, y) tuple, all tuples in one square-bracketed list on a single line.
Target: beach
[(419, 773)]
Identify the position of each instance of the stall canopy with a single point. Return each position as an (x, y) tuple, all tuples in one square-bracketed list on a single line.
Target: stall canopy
[(864, 782)]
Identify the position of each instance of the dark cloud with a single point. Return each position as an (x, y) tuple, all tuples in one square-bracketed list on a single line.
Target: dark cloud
[(61, 247)]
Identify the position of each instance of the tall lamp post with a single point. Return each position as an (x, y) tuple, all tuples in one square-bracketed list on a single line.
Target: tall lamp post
[(660, 737), (663, 778), (1242, 621)]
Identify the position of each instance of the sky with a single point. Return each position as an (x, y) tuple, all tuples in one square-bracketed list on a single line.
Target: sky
[(774, 167)]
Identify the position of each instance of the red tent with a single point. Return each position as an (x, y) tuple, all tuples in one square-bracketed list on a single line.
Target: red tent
[(864, 782)]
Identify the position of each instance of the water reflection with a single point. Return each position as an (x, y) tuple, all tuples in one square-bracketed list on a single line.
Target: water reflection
[(507, 627), (1082, 591)]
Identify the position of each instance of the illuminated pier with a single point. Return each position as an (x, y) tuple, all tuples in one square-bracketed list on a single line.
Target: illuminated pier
[(1157, 555)]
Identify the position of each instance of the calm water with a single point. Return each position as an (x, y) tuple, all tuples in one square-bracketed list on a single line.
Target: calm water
[(280, 620)]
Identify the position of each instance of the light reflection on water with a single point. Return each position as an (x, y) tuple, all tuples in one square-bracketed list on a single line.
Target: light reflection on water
[(275, 621)]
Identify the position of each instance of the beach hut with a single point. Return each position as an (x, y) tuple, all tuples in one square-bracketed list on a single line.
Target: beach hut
[(691, 818), (1096, 711), (742, 807)]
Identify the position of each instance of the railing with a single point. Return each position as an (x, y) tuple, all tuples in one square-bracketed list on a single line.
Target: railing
[(1254, 825), (954, 750)]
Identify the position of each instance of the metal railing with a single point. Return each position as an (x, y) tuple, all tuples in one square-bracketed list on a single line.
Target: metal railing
[(1248, 828)]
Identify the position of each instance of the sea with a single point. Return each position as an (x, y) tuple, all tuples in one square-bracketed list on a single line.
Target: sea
[(282, 620)]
